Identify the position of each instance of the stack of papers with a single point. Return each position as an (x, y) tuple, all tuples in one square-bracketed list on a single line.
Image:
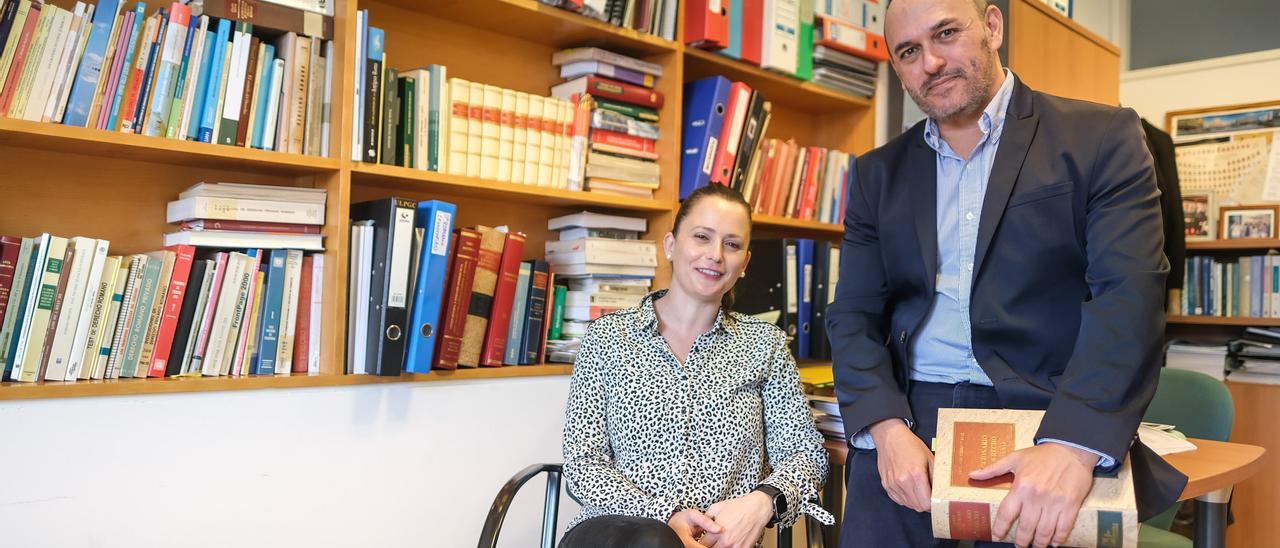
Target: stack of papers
[(1163, 439)]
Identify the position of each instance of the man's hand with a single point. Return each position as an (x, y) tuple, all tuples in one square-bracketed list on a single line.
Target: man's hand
[(905, 464), (742, 519), (1050, 482), (689, 524)]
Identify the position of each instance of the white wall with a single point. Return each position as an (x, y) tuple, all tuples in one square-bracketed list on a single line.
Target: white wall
[(1246, 78), (385, 465)]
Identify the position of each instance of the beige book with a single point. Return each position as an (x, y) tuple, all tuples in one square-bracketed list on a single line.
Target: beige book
[(533, 141), (547, 143), (31, 66), (965, 509), (41, 86), (459, 126), (506, 134), (490, 131), (289, 312), (519, 137), (564, 142), (26, 364), (298, 94), (157, 311), (95, 107), (102, 305), (475, 128), (75, 282), (128, 304), (222, 90), (233, 282), (70, 61), (11, 44)]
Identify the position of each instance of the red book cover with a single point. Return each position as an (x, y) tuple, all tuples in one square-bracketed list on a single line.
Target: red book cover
[(183, 256), (752, 30), (813, 180), (546, 319), (483, 284), (302, 335), (622, 140), (735, 115), (9, 247), (462, 277), (19, 59), (495, 340), (706, 24), (446, 289), (250, 226), (760, 189), (599, 86)]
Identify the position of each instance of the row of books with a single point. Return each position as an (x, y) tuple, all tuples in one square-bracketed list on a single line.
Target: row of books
[(615, 130), (1248, 287), (781, 36), (790, 282), (174, 74), (73, 312), (799, 182), (653, 17), (233, 215)]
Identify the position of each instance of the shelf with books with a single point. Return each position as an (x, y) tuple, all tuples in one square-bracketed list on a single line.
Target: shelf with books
[(796, 227), (395, 177), (1224, 320), (781, 90), (128, 146), (536, 22), (1243, 244), (173, 385)]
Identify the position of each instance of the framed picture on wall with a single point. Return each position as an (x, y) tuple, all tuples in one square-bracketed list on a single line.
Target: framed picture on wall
[(1199, 215), (1248, 221), (1223, 122)]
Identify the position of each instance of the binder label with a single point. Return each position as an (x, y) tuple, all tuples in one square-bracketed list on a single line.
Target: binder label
[(440, 236), (401, 246)]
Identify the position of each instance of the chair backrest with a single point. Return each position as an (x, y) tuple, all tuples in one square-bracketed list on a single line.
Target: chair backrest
[(1199, 405)]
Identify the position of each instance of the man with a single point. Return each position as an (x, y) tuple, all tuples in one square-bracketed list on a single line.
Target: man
[(1004, 253)]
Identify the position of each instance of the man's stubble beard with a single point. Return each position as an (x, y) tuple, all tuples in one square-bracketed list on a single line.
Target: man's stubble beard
[(977, 84)]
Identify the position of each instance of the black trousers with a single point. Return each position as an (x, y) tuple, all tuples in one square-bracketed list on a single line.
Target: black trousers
[(621, 532), (871, 518)]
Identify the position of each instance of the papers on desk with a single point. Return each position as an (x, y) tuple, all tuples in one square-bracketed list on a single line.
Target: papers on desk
[(1163, 439), (826, 416)]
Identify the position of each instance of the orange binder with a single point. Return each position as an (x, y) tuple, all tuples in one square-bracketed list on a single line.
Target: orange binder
[(706, 24), (838, 35)]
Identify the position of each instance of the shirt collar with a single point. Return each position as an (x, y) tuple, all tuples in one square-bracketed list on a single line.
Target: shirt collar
[(725, 323), (991, 123)]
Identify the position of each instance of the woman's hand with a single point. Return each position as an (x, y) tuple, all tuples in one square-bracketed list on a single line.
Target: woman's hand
[(690, 524), (742, 519)]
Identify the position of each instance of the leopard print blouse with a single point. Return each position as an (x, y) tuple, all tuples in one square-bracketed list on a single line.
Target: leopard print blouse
[(646, 436)]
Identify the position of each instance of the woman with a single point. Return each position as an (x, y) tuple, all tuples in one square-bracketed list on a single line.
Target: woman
[(677, 407)]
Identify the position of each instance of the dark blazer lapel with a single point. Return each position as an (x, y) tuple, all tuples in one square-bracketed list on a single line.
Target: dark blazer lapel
[(921, 174), (1019, 129)]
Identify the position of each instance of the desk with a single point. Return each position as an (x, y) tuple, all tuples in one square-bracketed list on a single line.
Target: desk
[(1212, 470)]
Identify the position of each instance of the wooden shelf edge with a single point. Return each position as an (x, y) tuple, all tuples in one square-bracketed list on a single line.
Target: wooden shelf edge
[(598, 26), (47, 135), (1238, 244), (482, 188), (773, 221), (757, 75), (173, 385), (1216, 320)]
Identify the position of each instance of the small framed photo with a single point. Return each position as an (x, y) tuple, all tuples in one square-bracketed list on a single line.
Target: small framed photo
[(1248, 221), (1199, 214)]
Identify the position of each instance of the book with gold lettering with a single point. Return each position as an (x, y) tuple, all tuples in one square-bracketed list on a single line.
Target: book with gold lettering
[(965, 509)]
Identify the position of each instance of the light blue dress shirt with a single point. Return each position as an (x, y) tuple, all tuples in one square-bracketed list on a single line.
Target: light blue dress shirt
[(942, 350)]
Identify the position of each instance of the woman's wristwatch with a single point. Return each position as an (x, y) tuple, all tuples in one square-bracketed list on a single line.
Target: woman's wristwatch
[(779, 502)]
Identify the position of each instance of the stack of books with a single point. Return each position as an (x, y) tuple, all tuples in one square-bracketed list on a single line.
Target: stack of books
[(604, 263), (615, 130), (75, 313), (844, 72), (799, 182), (653, 17), (175, 74), (233, 215), (826, 416), (412, 273)]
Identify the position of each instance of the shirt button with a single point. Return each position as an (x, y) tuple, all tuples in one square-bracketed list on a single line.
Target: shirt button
[(968, 216), (969, 266), (902, 338)]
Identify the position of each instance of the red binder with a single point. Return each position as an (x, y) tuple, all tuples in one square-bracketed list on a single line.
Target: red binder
[(752, 30), (735, 114), (842, 36), (706, 24)]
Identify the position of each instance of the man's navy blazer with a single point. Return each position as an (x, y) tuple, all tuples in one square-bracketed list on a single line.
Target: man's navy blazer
[(1067, 304)]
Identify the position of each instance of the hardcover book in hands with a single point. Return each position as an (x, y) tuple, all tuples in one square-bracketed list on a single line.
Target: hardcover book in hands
[(965, 509)]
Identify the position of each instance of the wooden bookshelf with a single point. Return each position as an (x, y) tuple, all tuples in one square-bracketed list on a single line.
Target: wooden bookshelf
[(75, 181), (173, 385), (1227, 321), (1241, 244)]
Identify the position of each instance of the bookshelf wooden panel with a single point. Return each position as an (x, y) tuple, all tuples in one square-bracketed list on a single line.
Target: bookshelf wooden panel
[(1242, 244), (797, 227), (1228, 321)]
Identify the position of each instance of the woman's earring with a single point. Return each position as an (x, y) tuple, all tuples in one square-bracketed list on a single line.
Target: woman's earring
[(743, 275), (668, 256)]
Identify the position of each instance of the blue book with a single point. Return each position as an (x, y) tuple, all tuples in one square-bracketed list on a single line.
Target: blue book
[(202, 86), (273, 296), (18, 296), (81, 97), (515, 344), (264, 95), (734, 48), (704, 110), (209, 114), (804, 285), (436, 219), (117, 105)]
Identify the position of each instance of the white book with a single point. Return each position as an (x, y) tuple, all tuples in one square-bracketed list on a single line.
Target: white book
[(357, 122), (579, 270), (197, 319), (506, 134), (26, 361), (353, 293), (128, 304), (50, 55), (273, 105), (100, 316), (322, 7), (88, 305), (533, 141), (317, 306), (520, 138), (363, 289), (68, 311), (243, 209), (326, 107), (573, 55), (196, 61), (234, 283), (255, 192), (235, 239), (235, 82), (289, 311), (588, 219), (422, 100), (549, 155), (156, 115), (102, 354), (81, 20), (779, 41), (602, 251)]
